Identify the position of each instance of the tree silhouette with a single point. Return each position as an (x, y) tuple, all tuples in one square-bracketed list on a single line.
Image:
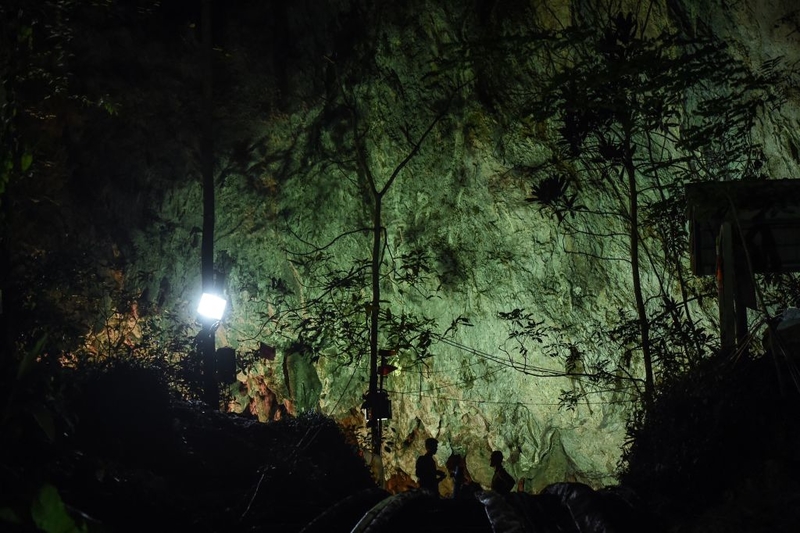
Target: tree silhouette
[(636, 117), (341, 308)]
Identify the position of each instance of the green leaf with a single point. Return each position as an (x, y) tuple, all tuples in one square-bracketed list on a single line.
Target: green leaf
[(110, 107), (50, 514), (5, 173), (25, 34), (27, 362), (25, 161)]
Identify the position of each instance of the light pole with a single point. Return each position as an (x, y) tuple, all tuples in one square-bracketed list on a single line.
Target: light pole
[(209, 303), (211, 309)]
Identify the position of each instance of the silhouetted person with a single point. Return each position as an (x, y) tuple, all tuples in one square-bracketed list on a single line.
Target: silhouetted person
[(502, 482), (456, 469), (463, 485), (427, 473)]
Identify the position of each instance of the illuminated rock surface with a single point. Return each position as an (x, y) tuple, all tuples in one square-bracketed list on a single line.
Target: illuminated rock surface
[(290, 206)]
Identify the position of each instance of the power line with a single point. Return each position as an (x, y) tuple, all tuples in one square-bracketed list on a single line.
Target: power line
[(465, 381), (497, 402), (429, 371), (528, 369), (533, 370)]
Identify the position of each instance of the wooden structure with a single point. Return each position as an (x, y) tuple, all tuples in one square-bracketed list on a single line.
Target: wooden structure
[(738, 229)]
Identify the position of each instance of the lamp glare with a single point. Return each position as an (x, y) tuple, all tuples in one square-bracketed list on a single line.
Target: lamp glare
[(211, 306)]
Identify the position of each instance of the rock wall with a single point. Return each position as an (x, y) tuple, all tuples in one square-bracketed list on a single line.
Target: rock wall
[(293, 202)]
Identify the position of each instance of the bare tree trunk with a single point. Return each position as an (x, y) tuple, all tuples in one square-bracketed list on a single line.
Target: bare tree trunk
[(644, 324), (378, 243), (374, 315)]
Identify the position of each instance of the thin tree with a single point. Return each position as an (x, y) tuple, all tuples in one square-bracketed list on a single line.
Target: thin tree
[(331, 308), (617, 101), (377, 193)]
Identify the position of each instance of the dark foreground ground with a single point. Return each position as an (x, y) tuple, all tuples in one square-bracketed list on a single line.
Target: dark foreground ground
[(720, 452)]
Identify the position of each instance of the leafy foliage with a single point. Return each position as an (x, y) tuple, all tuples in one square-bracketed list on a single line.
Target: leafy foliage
[(335, 322), (637, 118), (710, 437), (523, 328), (552, 193), (35, 415), (137, 456)]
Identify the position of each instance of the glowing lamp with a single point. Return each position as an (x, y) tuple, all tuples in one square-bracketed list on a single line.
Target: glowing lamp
[(211, 306)]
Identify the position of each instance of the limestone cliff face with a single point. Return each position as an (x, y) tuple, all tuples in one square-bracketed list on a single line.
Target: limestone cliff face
[(462, 243)]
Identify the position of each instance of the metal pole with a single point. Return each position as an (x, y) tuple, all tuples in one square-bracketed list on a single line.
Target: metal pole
[(208, 344)]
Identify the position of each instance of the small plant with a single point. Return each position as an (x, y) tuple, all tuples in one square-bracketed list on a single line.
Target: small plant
[(34, 420), (552, 193)]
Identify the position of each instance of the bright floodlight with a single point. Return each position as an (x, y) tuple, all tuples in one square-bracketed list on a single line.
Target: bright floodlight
[(211, 306)]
